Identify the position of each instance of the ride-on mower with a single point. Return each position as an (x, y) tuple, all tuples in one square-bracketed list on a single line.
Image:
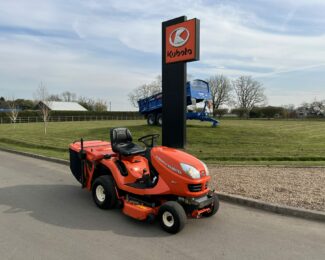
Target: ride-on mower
[(147, 183)]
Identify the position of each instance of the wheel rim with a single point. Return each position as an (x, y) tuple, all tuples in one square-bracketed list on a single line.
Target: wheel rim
[(100, 193), (168, 219), (151, 120)]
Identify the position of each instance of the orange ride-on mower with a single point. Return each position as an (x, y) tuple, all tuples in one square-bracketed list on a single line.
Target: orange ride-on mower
[(147, 183)]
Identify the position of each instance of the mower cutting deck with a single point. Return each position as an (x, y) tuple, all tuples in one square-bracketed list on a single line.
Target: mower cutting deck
[(146, 182)]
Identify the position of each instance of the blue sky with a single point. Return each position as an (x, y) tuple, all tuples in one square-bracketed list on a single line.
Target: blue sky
[(104, 49)]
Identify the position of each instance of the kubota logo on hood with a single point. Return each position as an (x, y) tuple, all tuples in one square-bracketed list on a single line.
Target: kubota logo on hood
[(179, 37)]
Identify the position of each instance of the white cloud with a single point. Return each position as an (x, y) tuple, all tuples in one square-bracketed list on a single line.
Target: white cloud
[(25, 62), (298, 97), (233, 41)]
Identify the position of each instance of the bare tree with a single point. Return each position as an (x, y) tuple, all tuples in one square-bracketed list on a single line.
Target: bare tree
[(42, 97), (68, 96), (55, 97), (145, 90), (249, 93), (318, 108), (13, 111), (314, 109), (220, 89), (100, 105), (86, 103), (289, 111), (90, 104)]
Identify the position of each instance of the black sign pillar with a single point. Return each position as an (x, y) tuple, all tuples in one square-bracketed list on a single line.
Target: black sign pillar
[(174, 96)]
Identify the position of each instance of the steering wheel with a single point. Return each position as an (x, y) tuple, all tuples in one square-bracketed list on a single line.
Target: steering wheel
[(149, 140)]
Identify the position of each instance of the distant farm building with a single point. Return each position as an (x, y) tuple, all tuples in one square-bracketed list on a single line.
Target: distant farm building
[(62, 106), (315, 109), (303, 111)]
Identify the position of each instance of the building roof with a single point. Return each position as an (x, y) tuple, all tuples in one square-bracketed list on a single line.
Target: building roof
[(65, 106)]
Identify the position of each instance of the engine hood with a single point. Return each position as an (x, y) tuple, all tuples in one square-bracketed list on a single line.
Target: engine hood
[(171, 159)]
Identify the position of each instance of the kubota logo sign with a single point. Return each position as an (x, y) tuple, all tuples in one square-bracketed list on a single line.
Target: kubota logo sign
[(179, 37), (181, 41)]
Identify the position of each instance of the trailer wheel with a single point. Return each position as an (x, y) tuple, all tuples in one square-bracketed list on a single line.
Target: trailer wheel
[(151, 119), (172, 217), (104, 193), (214, 207), (159, 120)]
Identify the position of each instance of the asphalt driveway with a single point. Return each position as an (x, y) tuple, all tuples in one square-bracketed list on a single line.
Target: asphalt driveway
[(45, 215)]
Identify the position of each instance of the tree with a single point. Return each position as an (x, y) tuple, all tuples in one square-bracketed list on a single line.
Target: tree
[(68, 96), (86, 103), (145, 90), (220, 112), (318, 108), (240, 112), (13, 111), (314, 109), (249, 93), (24, 104), (289, 111), (266, 112), (3, 103), (41, 97), (54, 97), (220, 89), (100, 106), (90, 104)]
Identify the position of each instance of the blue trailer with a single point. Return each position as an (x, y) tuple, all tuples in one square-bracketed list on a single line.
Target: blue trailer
[(197, 91)]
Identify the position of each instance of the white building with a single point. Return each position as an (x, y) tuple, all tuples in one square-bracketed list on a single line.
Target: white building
[(63, 106)]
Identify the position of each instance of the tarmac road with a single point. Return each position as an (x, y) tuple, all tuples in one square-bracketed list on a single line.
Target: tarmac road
[(45, 215)]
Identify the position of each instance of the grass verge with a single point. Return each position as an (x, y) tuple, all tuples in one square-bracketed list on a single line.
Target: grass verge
[(234, 142)]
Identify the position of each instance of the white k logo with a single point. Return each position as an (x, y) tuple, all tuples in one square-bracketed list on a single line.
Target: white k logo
[(179, 37)]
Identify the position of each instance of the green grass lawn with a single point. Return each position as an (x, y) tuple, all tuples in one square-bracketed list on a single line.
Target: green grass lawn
[(233, 142)]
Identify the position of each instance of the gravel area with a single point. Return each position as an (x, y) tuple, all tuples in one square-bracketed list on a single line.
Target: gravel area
[(296, 187)]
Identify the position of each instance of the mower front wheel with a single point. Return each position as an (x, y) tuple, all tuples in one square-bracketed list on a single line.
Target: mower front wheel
[(172, 217), (103, 191)]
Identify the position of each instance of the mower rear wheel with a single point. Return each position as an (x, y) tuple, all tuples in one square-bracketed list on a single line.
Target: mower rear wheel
[(172, 217), (151, 119), (104, 193), (214, 207)]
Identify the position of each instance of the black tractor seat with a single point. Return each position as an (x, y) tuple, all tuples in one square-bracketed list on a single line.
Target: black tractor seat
[(121, 141)]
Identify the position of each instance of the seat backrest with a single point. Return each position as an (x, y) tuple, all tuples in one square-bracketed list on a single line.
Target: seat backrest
[(120, 136)]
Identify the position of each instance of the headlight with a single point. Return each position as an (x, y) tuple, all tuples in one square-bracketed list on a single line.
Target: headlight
[(206, 169), (190, 171)]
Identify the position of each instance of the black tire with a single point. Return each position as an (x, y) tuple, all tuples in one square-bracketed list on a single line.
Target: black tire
[(159, 120), (172, 217), (104, 193), (151, 119), (214, 206)]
